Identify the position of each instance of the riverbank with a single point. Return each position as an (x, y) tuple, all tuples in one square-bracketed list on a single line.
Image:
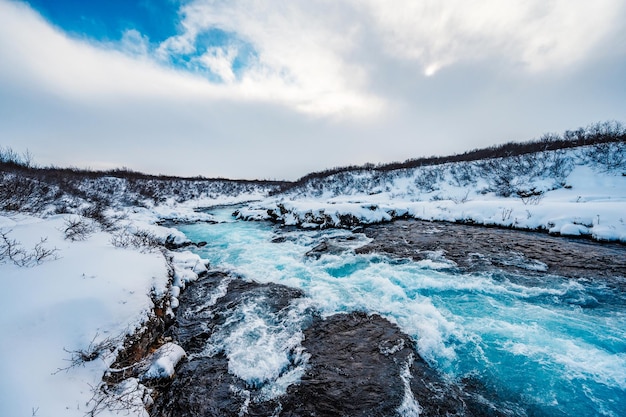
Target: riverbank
[(79, 303), (587, 202)]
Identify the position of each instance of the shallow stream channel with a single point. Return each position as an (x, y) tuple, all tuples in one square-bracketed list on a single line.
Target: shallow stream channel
[(409, 318)]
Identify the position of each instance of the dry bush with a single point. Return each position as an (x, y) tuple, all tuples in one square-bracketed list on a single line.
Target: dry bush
[(77, 228), (12, 251), (140, 239)]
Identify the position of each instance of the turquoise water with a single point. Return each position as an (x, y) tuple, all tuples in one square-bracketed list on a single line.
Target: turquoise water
[(544, 345)]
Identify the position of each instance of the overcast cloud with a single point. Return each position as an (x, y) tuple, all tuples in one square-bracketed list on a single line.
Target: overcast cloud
[(263, 89)]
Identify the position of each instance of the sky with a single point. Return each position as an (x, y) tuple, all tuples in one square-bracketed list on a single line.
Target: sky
[(260, 89)]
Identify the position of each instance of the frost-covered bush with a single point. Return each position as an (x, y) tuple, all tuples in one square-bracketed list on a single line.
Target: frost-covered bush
[(517, 174), (462, 174), (557, 164), (606, 156), (426, 178), (140, 239), (21, 193), (97, 212), (498, 174)]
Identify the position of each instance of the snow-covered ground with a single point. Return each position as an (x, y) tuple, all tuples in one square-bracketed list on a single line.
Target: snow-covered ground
[(563, 192), (81, 298)]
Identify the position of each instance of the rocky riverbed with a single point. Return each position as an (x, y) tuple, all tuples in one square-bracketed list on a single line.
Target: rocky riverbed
[(357, 364), (354, 363), (477, 248)]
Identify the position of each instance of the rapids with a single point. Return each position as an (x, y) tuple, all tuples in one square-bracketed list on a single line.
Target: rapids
[(536, 343)]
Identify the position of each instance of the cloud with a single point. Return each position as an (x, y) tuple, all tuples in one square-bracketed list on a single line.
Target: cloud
[(275, 90), (312, 57), (220, 61), (299, 57)]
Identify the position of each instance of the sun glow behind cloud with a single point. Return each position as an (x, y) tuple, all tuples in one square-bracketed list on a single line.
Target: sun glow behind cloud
[(534, 35)]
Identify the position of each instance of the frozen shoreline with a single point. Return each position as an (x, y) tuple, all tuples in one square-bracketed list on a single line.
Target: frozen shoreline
[(592, 203)]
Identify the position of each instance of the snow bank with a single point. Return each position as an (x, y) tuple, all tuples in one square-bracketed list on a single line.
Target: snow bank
[(585, 199), (163, 361), (80, 305)]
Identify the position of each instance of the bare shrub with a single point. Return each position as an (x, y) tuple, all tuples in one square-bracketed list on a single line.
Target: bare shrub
[(462, 174), (93, 351), (560, 165), (532, 196), (40, 253), (18, 193), (126, 397), (427, 178), (506, 214), (12, 251), (77, 228), (501, 175), (96, 212), (140, 239), (462, 199), (10, 157)]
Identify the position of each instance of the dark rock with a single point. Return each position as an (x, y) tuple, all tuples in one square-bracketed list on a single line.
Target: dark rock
[(172, 245), (333, 246), (479, 248), (356, 366), (203, 386), (318, 250)]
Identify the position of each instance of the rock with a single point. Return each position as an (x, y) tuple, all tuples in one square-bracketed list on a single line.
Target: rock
[(203, 386), (353, 370), (479, 248), (333, 246), (356, 366), (318, 250), (163, 361)]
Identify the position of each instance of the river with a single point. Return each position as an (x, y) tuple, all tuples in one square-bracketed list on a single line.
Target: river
[(535, 342)]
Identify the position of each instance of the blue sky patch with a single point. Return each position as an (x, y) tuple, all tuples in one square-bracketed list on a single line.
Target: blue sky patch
[(107, 20), (245, 54)]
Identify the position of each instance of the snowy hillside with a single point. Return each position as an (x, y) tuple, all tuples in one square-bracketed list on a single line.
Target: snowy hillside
[(47, 191), (84, 267), (573, 192)]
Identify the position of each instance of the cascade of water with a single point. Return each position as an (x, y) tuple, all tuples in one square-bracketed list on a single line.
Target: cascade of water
[(551, 345)]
